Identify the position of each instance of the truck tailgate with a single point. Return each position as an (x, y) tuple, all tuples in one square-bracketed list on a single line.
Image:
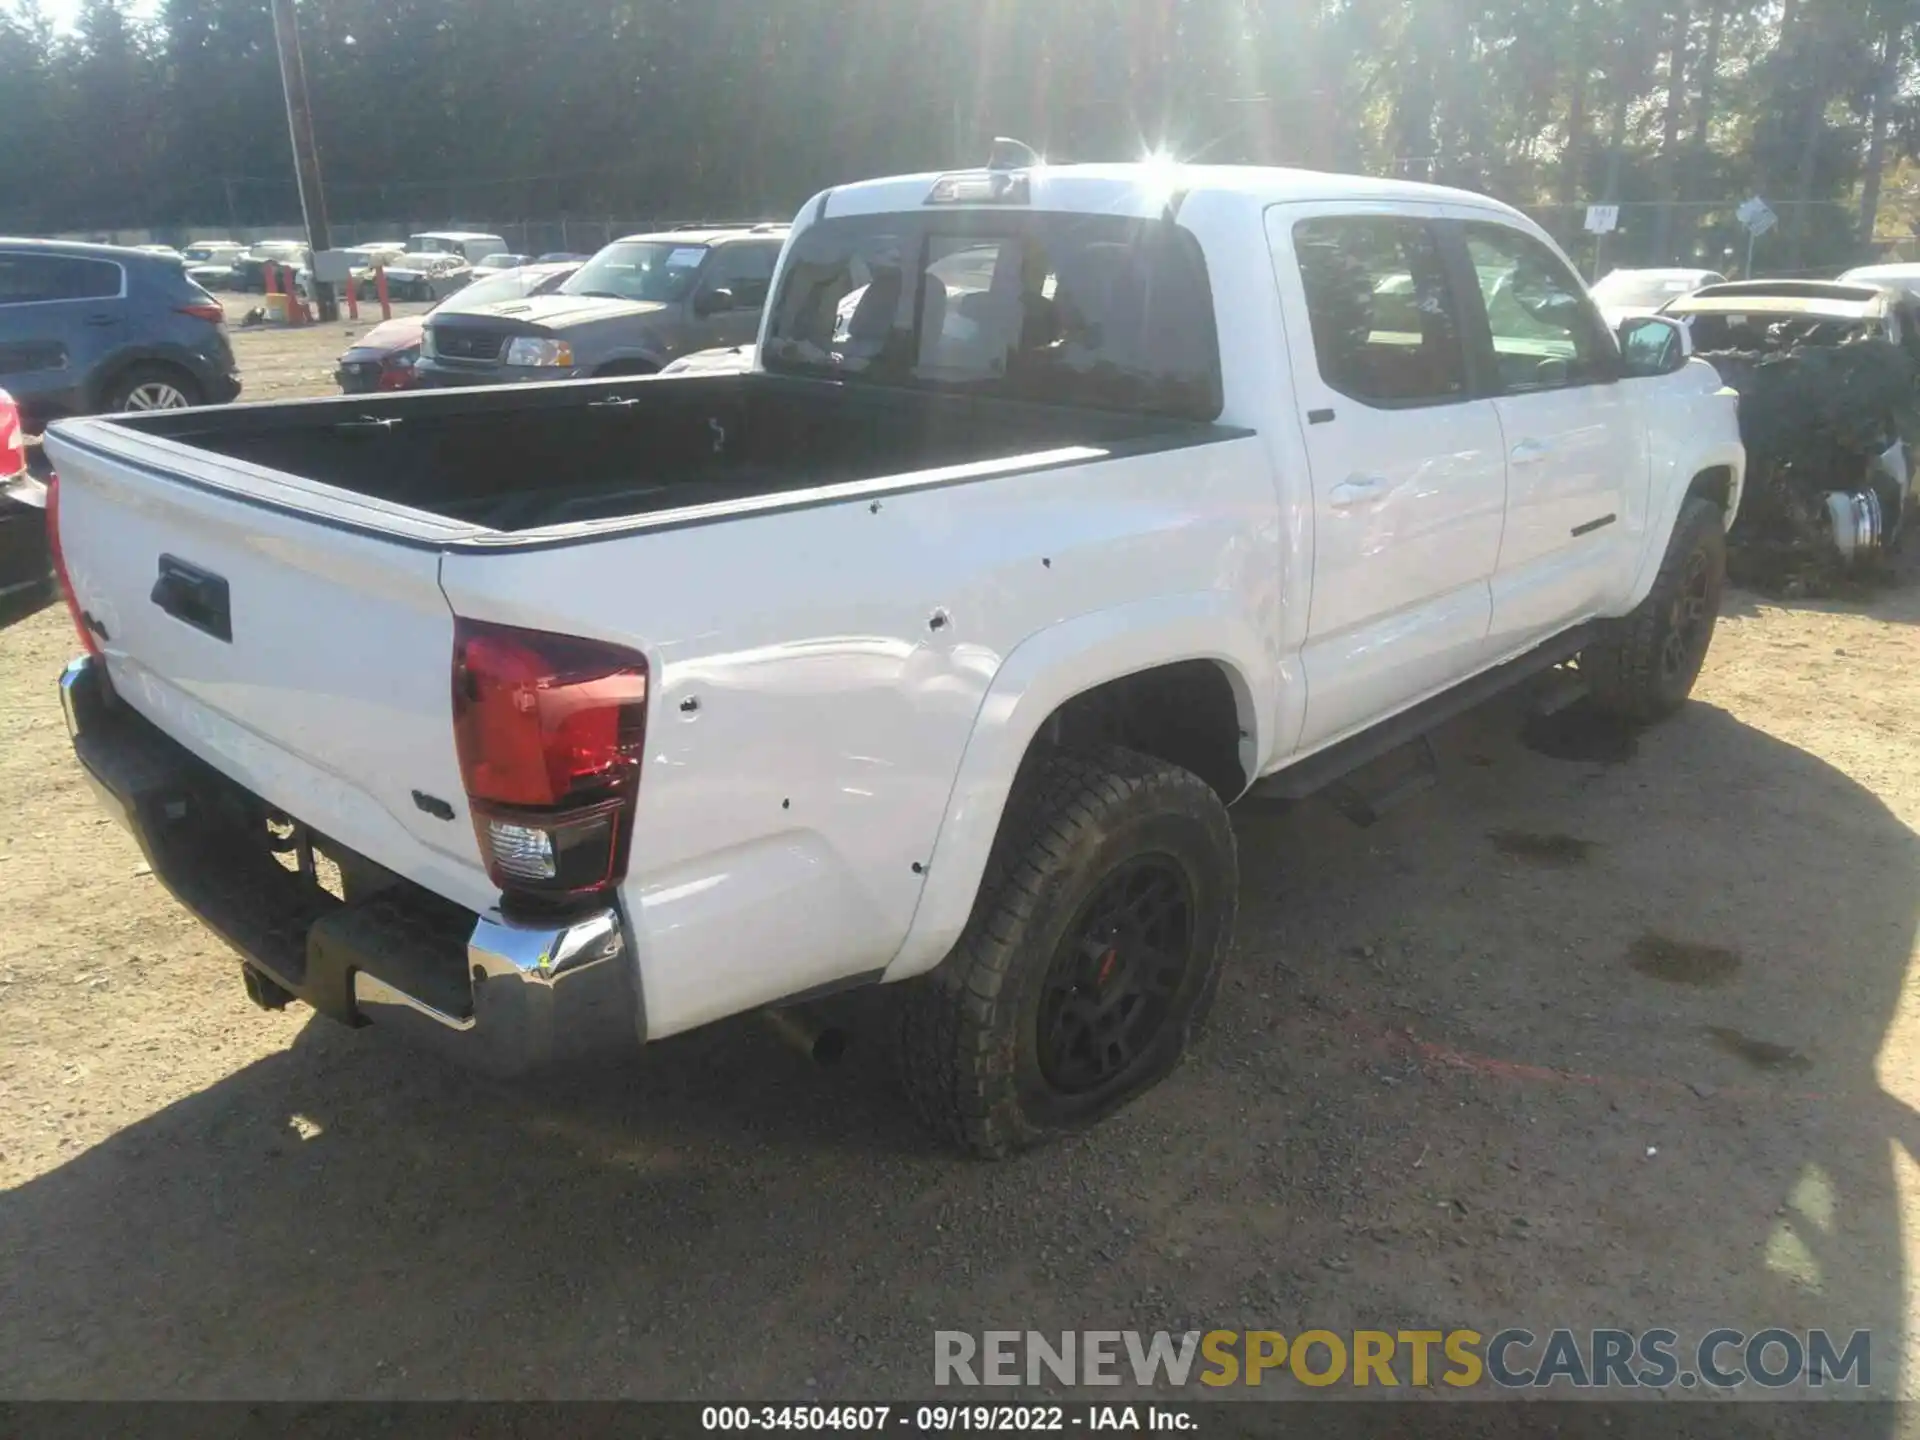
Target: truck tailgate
[(308, 660)]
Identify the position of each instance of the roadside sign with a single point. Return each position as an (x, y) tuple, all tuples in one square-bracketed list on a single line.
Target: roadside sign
[(1602, 219), (1757, 216)]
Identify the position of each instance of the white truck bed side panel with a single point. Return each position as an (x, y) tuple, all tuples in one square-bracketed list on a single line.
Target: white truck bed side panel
[(817, 674)]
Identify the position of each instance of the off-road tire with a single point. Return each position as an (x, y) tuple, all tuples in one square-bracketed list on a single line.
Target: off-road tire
[(1645, 669), (1078, 823)]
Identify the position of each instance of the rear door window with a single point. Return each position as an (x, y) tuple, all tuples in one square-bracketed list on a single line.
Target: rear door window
[(32, 279), (1386, 323), (1099, 310)]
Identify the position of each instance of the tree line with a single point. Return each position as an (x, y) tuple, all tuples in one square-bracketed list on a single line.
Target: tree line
[(437, 109)]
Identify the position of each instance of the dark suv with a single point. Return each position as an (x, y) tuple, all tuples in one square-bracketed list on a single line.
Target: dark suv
[(640, 303), (92, 328)]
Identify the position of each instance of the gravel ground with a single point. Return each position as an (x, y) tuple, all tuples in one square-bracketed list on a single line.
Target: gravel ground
[(1625, 1038), (280, 363)]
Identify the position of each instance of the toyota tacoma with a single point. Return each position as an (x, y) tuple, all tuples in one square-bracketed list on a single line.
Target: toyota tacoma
[(929, 652)]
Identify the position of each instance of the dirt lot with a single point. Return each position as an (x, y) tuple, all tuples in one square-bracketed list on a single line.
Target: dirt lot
[(277, 363), (1619, 1039)]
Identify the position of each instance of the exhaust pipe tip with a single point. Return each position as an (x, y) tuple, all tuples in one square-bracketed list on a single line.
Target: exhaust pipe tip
[(819, 1041)]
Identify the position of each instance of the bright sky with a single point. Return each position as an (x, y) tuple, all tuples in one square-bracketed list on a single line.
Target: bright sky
[(63, 12)]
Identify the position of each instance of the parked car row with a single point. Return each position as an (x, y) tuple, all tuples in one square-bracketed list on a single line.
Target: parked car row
[(210, 263), (90, 328), (426, 275), (639, 304), (1622, 294), (385, 357), (249, 268)]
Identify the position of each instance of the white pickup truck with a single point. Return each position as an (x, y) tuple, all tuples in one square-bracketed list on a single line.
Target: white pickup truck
[(1063, 507)]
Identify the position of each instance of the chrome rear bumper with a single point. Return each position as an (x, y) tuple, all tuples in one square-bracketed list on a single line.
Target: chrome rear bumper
[(499, 996)]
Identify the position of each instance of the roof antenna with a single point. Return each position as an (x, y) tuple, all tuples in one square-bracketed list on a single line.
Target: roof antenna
[(1010, 154)]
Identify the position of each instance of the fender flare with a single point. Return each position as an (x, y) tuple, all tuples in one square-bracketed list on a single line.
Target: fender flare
[(1041, 674), (1731, 456)]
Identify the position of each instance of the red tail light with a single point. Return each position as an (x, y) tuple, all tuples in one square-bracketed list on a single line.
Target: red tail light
[(13, 438), (60, 568), (211, 312), (550, 731)]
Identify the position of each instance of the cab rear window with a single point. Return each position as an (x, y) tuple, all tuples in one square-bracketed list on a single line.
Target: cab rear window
[(1097, 310)]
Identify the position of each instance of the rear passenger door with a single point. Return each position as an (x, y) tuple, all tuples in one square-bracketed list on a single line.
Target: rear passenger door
[(58, 314), (1408, 469), (1576, 447)]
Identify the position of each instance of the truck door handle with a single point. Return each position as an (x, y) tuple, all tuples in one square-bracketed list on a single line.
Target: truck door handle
[(1529, 452), (1359, 490), (194, 597), (103, 319)]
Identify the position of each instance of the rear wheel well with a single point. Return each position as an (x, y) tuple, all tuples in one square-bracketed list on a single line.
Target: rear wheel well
[(1714, 485), (1185, 713)]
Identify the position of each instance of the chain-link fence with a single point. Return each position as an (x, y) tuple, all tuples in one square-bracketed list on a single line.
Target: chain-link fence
[(567, 235), (1700, 234)]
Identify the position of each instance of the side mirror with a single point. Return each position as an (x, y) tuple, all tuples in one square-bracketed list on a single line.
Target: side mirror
[(712, 302), (1654, 345)]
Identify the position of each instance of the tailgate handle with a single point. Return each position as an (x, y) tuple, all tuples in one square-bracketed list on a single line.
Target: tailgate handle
[(194, 597)]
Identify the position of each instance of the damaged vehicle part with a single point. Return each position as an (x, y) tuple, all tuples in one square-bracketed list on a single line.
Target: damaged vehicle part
[(1827, 377)]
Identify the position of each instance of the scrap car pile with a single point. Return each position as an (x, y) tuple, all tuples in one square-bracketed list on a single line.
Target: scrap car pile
[(1829, 389)]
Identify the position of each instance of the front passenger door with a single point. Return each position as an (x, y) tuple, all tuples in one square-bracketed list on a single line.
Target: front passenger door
[(1576, 447)]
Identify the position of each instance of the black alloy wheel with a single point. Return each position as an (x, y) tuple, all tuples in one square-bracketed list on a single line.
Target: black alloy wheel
[(1113, 980)]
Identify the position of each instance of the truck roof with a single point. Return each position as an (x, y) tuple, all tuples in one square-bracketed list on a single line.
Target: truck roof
[(710, 236), (1146, 188)]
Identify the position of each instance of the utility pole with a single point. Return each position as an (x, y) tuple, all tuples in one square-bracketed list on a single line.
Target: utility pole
[(306, 156)]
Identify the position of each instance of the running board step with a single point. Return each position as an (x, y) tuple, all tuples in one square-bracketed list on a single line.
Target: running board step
[(1326, 767), (1555, 691), (1402, 773)]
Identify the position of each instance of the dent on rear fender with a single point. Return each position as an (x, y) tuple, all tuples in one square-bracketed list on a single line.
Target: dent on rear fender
[(716, 936), (1045, 672)]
